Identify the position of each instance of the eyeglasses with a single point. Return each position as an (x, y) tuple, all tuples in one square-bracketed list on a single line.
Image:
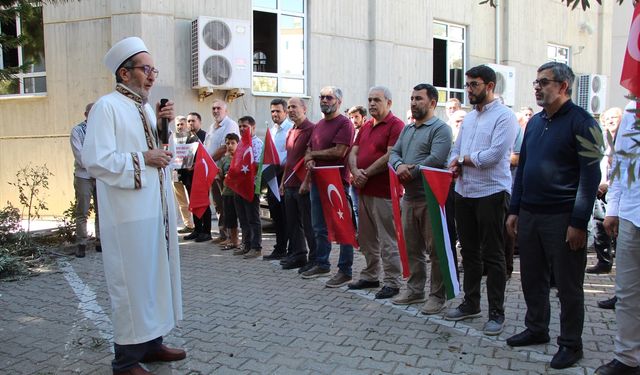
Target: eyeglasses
[(473, 84), (326, 97), (148, 70), (543, 82)]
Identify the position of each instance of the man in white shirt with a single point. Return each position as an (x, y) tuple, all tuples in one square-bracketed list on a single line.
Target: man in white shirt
[(623, 221), (279, 131), (480, 160), (85, 188), (216, 146)]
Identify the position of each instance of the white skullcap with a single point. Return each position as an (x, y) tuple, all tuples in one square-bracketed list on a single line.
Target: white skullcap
[(122, 50)]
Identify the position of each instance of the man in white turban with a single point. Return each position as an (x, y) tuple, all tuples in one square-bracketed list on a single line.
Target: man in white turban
[(123, 152)]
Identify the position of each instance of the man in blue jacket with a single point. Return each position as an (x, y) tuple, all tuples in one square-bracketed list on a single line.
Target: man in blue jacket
[(552, 201)]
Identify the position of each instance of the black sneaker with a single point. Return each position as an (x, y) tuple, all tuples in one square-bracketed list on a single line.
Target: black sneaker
[(306, 267), (616, 367), (566, 357), (364, 284), (599, 268), (609, 304), (275, 255), (316, 271), (464, 311), (191, 236), (387, 292), (203, 237)]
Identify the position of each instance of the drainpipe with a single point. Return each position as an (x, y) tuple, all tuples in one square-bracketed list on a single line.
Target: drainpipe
[(498, 32)]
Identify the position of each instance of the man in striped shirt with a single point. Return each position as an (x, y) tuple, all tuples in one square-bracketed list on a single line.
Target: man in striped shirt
[(480, 161)]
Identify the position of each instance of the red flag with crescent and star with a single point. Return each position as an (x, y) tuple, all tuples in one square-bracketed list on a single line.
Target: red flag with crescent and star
[(335, 206), (204, 171), (630, 78), (242, 171)]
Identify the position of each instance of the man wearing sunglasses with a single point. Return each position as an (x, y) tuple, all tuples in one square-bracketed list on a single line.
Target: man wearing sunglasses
[(480, 159), (123, 152), (553, 196), (329, 144)]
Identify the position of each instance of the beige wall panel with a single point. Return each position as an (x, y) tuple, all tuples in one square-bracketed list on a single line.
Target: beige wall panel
[(620, 33), (191, 9), (405, 22), (344, 18), (123, 26), (400, 68), (53, 152), (78, 10), (118, 7)]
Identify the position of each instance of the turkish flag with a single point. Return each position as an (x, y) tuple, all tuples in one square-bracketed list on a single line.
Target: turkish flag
[(335, 206), (242, 171), (204, 171), (397, 190), (630, 78)]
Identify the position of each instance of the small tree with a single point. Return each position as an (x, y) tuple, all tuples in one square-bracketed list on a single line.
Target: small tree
[(31, 182)]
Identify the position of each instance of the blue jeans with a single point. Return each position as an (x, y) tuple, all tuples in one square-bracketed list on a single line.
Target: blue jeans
[(323, 246)]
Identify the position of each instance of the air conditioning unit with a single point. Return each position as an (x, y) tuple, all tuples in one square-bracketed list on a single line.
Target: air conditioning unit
[(220, 53), (505, 83), (592, 93)]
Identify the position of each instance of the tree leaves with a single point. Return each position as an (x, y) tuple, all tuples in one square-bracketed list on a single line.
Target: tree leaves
[(573, 4), (592, 150)]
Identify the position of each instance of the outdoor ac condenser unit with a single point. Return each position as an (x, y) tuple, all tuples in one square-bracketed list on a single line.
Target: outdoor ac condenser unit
[(220, 53), (505, 83), (592, 93)]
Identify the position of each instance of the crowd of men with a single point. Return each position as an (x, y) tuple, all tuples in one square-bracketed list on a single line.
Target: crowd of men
[(515, 177)]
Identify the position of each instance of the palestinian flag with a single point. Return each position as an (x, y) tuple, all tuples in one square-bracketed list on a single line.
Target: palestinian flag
[(436, 187), (269, 161)]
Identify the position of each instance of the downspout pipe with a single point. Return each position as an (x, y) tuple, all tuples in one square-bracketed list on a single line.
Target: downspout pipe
[(498, 32)]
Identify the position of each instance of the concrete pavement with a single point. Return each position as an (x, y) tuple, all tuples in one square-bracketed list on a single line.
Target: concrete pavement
[(251, 317)]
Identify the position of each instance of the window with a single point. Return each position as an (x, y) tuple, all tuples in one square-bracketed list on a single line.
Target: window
[(279, 60), (29, 57), (558, 53), (449, 51)]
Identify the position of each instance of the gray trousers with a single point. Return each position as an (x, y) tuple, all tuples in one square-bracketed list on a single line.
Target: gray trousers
[(85, 190), (543, 249), (627, 341), (377, 238), (183, 203), (418, 238)]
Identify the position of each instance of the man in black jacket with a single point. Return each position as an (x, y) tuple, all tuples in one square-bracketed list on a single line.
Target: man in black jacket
[(202, 231), (552, 201)]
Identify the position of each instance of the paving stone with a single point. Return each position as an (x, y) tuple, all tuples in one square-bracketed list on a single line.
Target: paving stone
[(253, 318)]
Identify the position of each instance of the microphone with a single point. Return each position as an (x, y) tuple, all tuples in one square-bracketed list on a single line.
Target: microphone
[(163, 129)]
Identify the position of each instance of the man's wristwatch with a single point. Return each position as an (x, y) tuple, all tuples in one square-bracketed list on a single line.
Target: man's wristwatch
[(460, 160)]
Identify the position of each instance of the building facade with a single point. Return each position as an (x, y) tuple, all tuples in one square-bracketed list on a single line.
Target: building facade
[(295, 48)]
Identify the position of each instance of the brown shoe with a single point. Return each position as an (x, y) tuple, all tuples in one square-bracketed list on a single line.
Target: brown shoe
[(165, 354), (135, 370), (219, 239), (253, 253)]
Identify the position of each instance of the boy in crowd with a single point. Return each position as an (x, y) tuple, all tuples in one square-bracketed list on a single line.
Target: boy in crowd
[(228, 196)]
